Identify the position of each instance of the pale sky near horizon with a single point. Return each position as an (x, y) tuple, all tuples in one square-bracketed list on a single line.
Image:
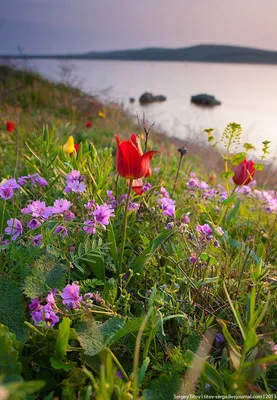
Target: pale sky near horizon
[(62, 26)]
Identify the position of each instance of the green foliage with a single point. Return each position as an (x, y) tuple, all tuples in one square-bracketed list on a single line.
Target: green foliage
[(47, 273), (10, 367), (12, 308)]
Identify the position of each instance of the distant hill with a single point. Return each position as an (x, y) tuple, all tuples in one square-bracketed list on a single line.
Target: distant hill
[(201, 53)]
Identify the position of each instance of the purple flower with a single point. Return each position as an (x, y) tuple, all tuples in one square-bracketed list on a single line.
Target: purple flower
[(6, 192), (74, 182), (34, 305), (192, 259), (71, 297), (192, 174), (169, 226), (60, 206), (110, 194), (147, 186), (34, 223), (185, 219), (123, 198), (90, 205), (50, 317), (219, 338), (7, 188), (89, 227), (205, 230), (220, 230), (119, 374), (11, 183), (38, 209), (168, 206), (69, 215), (37, 240), (36, 311), (133, 206), (62, 230), (274, 348), (75, 186), (164, 192), (74, 175), (14, 228), (193, 183), (156, 169), (22, 180), (37, 316), (51, 298), (102, 214), (216, 244), (203, 185)]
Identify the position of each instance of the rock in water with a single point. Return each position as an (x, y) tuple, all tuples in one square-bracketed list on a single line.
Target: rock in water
[(147, 98), (205, 100)]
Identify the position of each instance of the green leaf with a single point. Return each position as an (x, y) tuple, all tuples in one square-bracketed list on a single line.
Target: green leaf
[(131, 326), (214, 378), (143, 369), (163, 388), (229, 201), (58, 364), (10, 367), (259, 167), (236, 313), (112, 243), (110, 291), (227, 175), (47, 273), (90, 337), (92, 258), (233, 212), (150, 250), (62, 339), (12, 308)]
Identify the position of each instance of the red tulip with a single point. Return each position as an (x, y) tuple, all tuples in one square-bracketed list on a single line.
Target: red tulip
[(131, 163), (244, 173), (88, 124), (76, 146), (10, 126)]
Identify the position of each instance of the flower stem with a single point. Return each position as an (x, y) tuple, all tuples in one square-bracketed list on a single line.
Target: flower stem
[(177, 174), (125, 226)]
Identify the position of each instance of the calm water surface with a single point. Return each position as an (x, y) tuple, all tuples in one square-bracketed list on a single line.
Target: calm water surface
[(248, 94)]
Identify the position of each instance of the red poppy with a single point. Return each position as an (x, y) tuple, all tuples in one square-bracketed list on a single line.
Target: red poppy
[(131, 163), (244, 173), (88, 124), (76, 146), (10, 126)]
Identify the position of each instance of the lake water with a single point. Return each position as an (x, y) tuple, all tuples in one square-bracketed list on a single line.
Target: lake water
[(248, 94)]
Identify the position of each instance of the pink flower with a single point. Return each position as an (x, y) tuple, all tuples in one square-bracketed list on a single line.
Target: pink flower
[(71, 297)]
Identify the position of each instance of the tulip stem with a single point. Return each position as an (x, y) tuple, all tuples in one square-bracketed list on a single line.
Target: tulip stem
[(125, 226)]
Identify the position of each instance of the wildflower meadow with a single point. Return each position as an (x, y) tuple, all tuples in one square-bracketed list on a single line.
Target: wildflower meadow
[(128, 270)]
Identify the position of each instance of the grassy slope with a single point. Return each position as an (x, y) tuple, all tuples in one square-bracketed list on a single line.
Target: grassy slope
[(30, 102)]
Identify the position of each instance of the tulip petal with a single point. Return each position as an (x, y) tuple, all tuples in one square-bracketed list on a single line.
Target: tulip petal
[(127, 159), (144, 164), (136, 140), (137, 186)]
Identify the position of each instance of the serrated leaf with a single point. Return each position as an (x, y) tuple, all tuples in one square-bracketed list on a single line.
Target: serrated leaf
[(90, 337), (47, 273), (12, 308), (10, 367)]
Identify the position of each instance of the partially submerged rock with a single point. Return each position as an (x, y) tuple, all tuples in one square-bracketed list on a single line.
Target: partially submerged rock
[(147, 98), (205, 100)]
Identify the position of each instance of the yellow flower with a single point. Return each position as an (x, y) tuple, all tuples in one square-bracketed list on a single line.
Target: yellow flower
[(101, 114), (68, 147)]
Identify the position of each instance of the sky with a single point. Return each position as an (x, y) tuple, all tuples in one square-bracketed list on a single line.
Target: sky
[(73, 26)]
